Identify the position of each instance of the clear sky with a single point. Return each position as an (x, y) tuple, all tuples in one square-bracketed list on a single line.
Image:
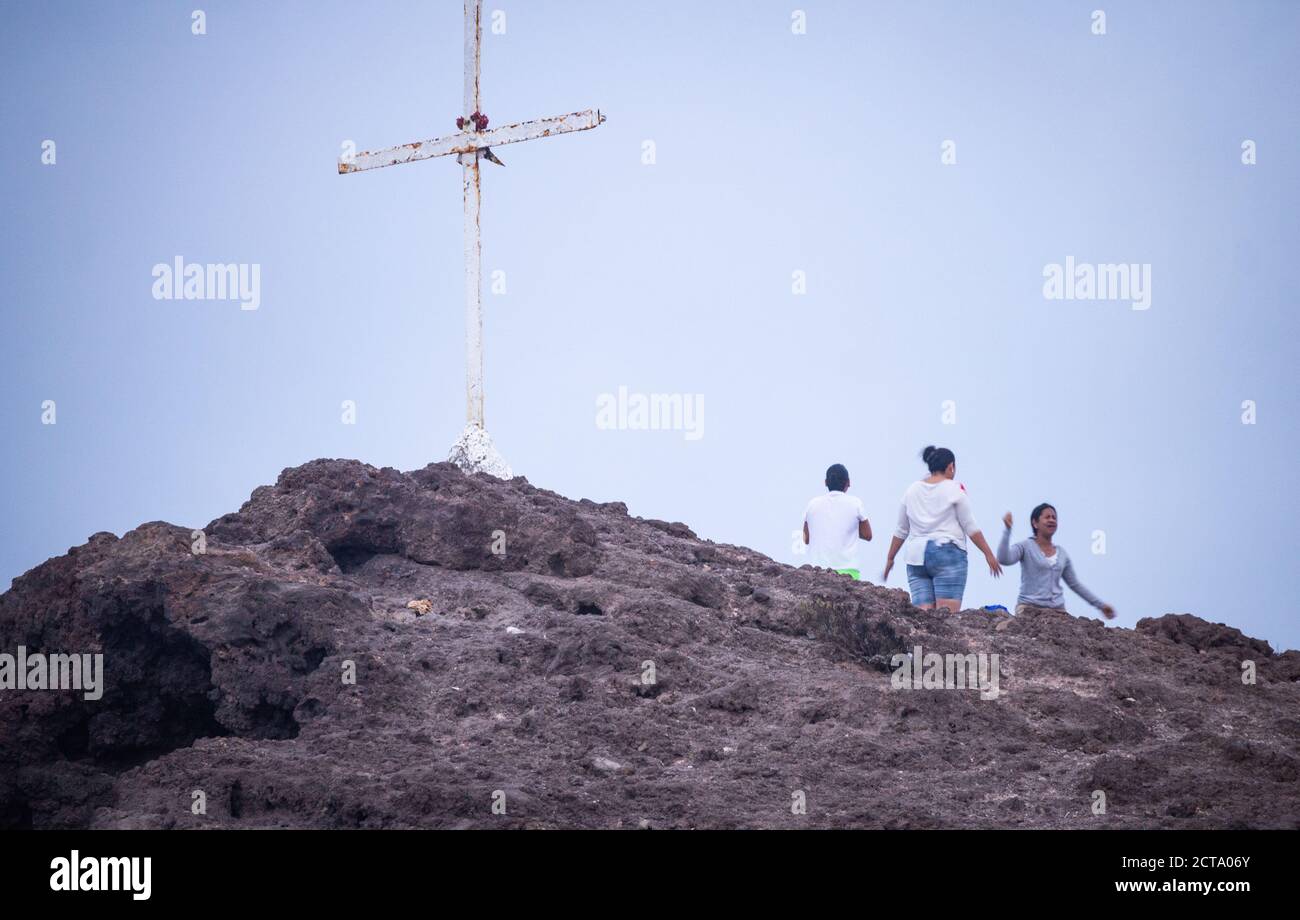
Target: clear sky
[(774, 153)]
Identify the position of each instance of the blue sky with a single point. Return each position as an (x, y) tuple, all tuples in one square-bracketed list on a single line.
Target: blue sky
[(775, 152)]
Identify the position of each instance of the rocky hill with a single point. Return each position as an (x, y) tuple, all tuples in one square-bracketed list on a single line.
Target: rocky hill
[(362, 647)]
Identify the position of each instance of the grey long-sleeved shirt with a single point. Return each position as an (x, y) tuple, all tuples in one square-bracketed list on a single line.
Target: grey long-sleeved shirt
[(1040, 580)]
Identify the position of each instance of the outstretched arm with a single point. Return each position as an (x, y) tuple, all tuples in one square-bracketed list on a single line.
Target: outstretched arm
[(1008, 554), (1070, 578), (894, 546), (978, 539), (966, 518), (900, 534)]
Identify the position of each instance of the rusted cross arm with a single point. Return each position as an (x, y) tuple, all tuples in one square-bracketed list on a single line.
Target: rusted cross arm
[(469, 141)]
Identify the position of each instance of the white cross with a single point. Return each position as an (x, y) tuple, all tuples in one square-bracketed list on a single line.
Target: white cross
[(473, 451)]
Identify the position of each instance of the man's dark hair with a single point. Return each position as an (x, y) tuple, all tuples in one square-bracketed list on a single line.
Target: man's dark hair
[(837, 478)]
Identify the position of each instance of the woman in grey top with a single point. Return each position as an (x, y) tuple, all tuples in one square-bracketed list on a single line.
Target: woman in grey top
[(1044, 565)]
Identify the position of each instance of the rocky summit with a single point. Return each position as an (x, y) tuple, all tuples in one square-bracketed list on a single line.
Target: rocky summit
[(362, 647)]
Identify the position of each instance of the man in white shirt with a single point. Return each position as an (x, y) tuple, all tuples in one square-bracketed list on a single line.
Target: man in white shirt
[(834, 523)]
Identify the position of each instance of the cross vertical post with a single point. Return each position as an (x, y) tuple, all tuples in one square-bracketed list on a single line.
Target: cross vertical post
[(473, 244)]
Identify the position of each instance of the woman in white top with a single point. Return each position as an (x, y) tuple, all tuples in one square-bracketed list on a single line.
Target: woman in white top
[(934, 522)]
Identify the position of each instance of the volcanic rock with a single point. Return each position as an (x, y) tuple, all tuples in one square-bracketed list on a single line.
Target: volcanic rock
[(578, 667)]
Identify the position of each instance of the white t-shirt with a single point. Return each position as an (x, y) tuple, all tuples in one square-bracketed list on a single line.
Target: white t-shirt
[(832, 521), (938, 511)]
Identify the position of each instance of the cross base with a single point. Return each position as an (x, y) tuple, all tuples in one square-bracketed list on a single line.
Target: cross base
[(474, 452)]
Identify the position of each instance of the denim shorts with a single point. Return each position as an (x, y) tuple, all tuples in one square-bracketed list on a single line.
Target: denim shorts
[(943, 576)]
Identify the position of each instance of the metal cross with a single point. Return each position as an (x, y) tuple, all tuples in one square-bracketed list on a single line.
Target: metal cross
[(473, 142)]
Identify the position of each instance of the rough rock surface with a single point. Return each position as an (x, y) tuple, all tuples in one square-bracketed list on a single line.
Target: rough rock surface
[(527, 683)]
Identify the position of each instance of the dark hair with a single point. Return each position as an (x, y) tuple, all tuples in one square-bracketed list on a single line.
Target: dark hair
[(938, 458), (1036, 514), (837, 478)]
